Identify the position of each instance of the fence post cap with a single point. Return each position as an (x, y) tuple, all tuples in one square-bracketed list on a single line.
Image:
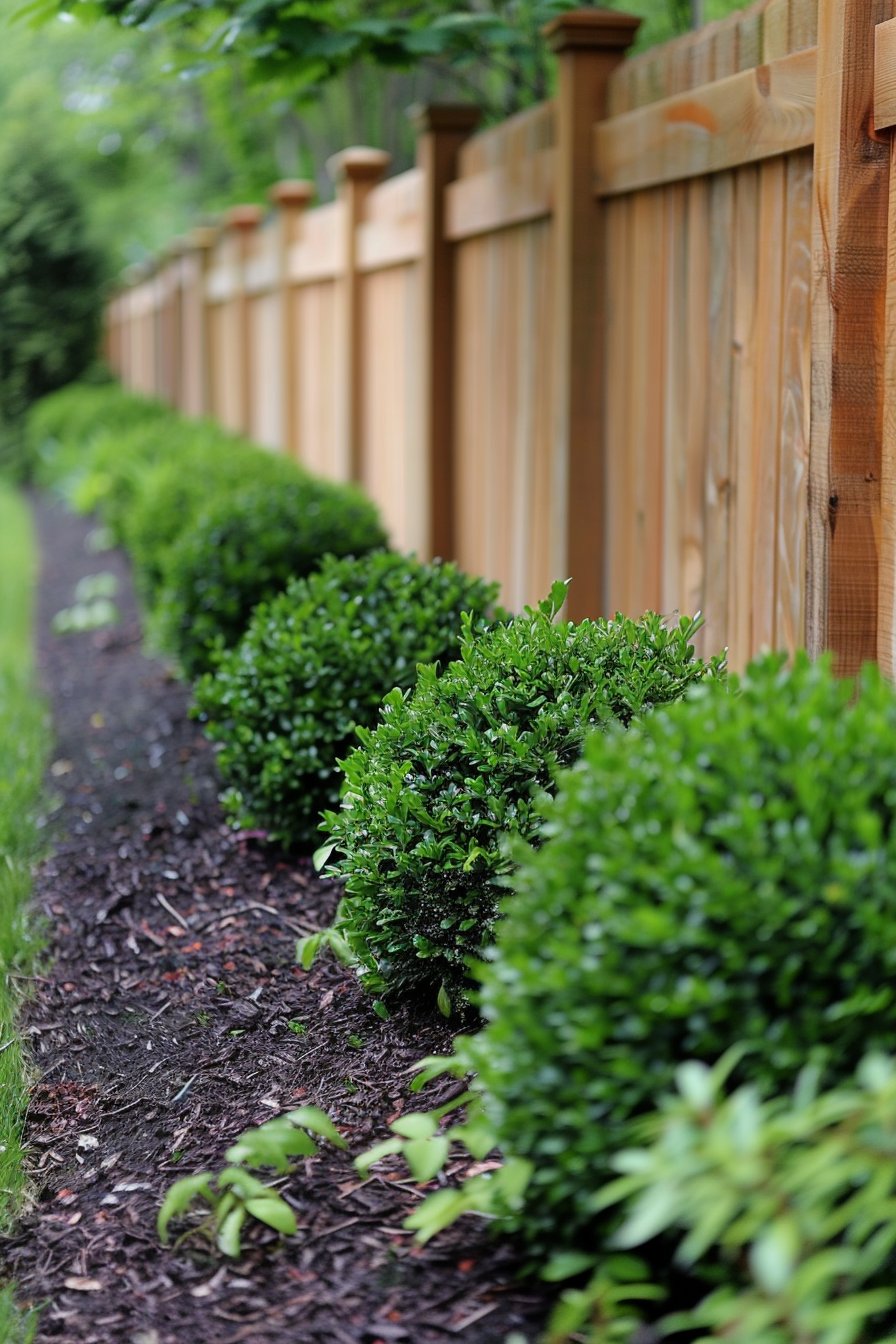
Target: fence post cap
[(292, 192), (580, 29), (243, 216), (358, 164), (203, 237), (444, 117)]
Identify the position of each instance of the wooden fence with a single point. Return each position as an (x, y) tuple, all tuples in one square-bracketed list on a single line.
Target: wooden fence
[(643, 334)]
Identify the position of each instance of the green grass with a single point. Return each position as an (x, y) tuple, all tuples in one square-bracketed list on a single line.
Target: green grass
[(23, 743), (16, 1326)]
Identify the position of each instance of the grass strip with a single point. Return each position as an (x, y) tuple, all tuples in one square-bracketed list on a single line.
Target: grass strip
[(23, 746)]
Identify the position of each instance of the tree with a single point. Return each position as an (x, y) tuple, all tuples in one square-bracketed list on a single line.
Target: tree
[(50, 287), (492, 49)]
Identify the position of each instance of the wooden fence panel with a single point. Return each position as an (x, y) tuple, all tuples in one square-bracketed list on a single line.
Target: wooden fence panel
[(509, 502), (393, 469), (507, 496), (393, 465), (581, 340), (316, 376)]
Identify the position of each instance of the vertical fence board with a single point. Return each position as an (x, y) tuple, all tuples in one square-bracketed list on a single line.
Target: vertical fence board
[(675, 397), (698, 334), (848, 302), (790, 574), (769, 299), (717, 487), (743, 406)]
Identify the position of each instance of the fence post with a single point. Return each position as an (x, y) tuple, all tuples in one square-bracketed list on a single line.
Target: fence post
[(441, 130), (849, 271), (885, 120), (589, 44), (291, 200), (355, 173), (243, 220), (199, 383)]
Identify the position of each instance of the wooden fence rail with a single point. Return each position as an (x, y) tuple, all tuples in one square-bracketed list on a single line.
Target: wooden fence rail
[(643, 334)]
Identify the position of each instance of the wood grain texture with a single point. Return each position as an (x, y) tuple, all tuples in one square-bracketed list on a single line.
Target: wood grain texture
[(619, 367), (675, 401), (885, 75), (440, 141), (694, 559), (848, 345), (744, 351), (886, 637), (579, 446), (742, 118), (766, 416), (497, 197), (790, 574), (717, 473)]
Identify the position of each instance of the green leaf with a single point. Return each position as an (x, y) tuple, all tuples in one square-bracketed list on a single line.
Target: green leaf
[(566, 1265), (419, 1125), (273, 1211), (379, 1151), (228, 1237), (315, 1120), (179, 1198), (426, 1157)]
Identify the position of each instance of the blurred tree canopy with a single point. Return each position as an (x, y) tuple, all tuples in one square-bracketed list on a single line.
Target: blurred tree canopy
[(490, 49), (51, 278)]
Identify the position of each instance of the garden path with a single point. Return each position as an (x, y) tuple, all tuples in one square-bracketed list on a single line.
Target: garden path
[(172, 1016)]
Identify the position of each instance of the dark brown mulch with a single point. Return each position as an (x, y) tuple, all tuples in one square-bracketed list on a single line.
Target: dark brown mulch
[(174, 1016)]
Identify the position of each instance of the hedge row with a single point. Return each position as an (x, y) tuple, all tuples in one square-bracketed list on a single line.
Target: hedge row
[(642, 866), (215, 525)]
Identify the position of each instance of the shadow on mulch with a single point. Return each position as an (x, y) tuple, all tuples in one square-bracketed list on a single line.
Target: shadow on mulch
[(174, 1016)]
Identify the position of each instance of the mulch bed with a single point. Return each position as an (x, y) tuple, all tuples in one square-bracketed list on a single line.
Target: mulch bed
[(173, 1016)]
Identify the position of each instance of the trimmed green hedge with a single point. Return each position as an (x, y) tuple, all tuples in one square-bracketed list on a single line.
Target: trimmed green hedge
[(462, 760), (215, 524), (313, 666), (724, 872)]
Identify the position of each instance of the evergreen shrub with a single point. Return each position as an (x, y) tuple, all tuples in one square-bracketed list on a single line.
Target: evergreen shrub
[(787, 1205), (464, 758), (51, 278), (64, 428), (245, 547), (197, 462), (724, 872), (314, 665)]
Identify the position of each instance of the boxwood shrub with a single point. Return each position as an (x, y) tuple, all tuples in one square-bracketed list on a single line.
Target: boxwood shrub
[(246, 546), (197, 462), (62, 428), (313, 665), (724, 872), (462, 759)]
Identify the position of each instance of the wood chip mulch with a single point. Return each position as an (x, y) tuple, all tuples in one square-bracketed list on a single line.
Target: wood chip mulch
[(172, 1016)]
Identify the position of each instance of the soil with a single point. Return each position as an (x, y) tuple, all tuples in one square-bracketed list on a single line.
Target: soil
[(172, 1016)]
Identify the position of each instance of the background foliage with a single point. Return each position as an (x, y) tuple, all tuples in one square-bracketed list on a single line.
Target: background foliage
[(50, 286), (315, 664), (724, 872), (461, 760)]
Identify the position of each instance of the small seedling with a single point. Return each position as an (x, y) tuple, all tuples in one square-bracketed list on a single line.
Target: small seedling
[(94, 586), (233, 1194), (99, 539), (356, 1042), (203, 1019), (85, 616), (297, 1027)]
